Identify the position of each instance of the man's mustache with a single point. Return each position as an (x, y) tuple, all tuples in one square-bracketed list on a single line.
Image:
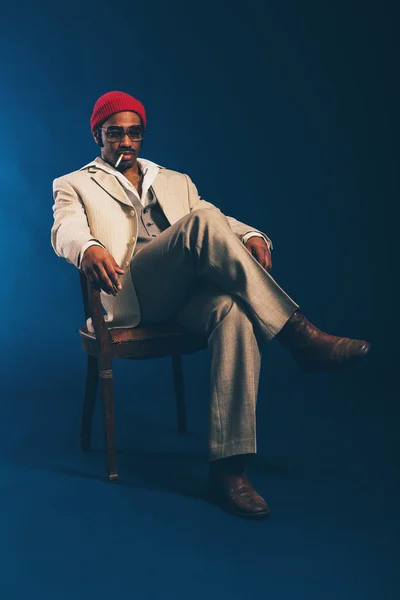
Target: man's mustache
[(126, 151)]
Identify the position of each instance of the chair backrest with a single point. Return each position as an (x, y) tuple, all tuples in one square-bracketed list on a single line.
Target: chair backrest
[(94, 310), (85, 294)]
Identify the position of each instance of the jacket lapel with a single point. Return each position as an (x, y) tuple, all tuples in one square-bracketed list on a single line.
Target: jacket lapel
[(169, 198), (110, 185)]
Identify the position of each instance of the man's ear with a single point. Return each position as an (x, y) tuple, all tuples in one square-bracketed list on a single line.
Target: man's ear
[(97, 137)]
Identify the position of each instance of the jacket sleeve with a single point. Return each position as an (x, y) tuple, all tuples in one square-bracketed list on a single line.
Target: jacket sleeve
[(70, 231), (238, 228)]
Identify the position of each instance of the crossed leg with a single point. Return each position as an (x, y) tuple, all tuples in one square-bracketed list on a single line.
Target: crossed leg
[(200, 274), (201, 247)]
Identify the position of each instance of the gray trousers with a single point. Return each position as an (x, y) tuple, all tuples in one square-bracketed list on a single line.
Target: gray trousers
[(198, 272)]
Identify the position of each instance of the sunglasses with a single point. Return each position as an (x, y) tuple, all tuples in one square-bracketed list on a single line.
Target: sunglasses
[(117, 134)]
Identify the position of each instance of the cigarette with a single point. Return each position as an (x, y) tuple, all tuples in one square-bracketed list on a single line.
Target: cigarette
[(118, 161)]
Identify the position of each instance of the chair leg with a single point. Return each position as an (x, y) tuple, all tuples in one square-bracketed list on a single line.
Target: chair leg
[(107, 392), (92, 380), (180, 393)]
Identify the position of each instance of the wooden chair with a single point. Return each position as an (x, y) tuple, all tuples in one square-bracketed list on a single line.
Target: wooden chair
[(103, 346)]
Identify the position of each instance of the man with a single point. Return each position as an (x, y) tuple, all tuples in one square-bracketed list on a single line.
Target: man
[(158, 252)]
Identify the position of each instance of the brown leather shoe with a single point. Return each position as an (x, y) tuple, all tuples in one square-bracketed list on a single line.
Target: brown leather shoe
[(315, 350), (235, 494)]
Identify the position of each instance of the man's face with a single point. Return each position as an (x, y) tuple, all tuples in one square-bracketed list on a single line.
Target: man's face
[(127, 146)]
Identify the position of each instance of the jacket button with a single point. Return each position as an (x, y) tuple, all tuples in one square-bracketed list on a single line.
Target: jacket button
[(133, 240), (132, 213)]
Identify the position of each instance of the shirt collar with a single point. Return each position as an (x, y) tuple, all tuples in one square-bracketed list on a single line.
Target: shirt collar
[(145, 165), (149, 169)]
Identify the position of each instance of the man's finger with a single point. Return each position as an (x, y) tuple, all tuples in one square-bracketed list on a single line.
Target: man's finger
[(266, 261), (105, 282), (111, 272), (116, 266), (260, 256)]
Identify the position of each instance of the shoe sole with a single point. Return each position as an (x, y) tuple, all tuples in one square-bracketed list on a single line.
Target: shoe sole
[(230, 510)]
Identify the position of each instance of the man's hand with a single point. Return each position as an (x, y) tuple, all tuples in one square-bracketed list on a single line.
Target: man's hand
[(258, 247), (101, 269)]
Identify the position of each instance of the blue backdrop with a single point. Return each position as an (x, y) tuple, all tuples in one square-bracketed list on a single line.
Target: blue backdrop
[(284, 115)]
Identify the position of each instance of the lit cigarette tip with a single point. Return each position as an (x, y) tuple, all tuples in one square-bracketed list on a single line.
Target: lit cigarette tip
[(118, 161)]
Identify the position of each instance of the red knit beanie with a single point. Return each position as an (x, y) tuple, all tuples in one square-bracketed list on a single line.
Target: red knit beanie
[(114, 102)]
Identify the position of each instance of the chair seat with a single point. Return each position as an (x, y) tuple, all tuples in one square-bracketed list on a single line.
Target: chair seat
[(150, 341)]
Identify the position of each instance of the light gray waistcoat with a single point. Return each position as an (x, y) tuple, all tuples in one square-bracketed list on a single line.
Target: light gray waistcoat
[(151, 219)]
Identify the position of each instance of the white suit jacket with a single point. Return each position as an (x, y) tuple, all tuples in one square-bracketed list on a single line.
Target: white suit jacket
[(91, 204)]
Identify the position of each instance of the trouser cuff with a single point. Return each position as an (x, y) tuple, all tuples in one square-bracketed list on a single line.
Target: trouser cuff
[(248, 446)]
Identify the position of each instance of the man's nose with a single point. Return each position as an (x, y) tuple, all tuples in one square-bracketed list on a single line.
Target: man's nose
[(125, 135)]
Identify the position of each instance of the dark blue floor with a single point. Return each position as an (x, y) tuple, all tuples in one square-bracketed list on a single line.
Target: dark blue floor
[(328, 464)]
